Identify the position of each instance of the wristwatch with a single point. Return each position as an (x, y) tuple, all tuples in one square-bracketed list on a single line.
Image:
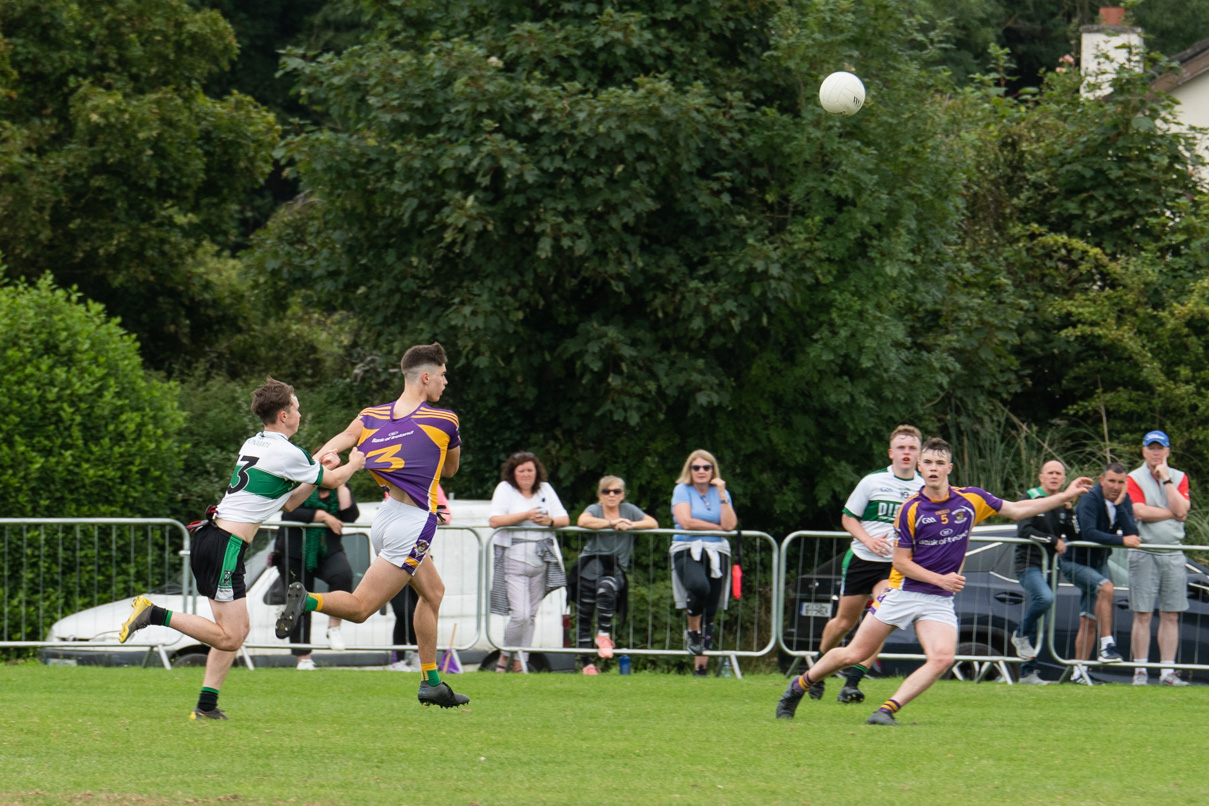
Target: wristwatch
[(1166, 481)]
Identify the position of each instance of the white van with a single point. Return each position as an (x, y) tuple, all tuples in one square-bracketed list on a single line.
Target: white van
[(462, 553)]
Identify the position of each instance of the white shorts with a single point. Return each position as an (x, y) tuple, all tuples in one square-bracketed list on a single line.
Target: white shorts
[(403, 534), (901, 608)]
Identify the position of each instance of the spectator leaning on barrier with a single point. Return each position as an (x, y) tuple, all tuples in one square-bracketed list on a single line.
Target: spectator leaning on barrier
[(868, 516), (1157, 578), (1048, 532), (597, 582), (1104, 516), (304, 554), (701, 563), (527, 564)]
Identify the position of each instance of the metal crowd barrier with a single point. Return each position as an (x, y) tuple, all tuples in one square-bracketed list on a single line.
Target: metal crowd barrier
[(51, 568), (988, 609), (650, 582), (460, 605)]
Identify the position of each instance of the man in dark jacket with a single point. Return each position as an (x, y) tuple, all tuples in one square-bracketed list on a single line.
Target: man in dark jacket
[(1048, 532), (1104, 516)]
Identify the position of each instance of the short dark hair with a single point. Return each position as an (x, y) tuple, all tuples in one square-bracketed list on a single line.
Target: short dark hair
[(271, 397), (937, 445), (508, 471), (1113, 467), (422, 355)]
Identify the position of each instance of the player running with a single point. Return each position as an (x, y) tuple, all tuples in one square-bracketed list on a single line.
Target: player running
[(409, 446), (933, 533), (869, 517), (272, 473)]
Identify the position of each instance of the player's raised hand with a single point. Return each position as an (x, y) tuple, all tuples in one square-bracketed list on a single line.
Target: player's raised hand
[(330, 460), (357, 458), (1079, 486)]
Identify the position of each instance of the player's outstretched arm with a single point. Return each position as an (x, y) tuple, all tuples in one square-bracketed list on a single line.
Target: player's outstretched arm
[(1035, 506), (334, 478), (341, 442)]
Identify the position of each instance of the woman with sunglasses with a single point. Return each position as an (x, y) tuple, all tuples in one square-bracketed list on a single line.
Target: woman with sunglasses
[(701, 563), (597, 581), (527, 564)]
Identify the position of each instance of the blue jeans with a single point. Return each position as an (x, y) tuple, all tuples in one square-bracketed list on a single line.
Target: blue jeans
[(1040, 598)]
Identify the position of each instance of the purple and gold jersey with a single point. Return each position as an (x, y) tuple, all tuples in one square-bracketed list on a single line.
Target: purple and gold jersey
[(938, 532), (409, 452)]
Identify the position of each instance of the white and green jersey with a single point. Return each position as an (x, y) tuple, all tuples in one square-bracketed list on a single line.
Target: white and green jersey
[(270, 468), (875, 503)]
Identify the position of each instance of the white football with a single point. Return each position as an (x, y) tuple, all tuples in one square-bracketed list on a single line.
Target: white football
[(842, 94)]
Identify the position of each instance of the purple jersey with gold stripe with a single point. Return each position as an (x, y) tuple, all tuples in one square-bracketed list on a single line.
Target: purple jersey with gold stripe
[(408, 452), (938, 532)]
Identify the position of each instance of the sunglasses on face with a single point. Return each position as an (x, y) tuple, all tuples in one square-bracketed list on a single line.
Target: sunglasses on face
[(702, 467), (612, 492)]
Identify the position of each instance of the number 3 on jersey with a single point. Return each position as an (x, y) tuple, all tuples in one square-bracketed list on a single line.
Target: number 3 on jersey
[(240, 478), (384, 459)]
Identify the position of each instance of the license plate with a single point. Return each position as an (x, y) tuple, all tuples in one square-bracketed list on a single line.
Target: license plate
[(815, 610)]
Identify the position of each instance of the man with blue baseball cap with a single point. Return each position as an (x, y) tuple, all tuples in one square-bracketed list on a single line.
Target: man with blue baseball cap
[(1157, 577)]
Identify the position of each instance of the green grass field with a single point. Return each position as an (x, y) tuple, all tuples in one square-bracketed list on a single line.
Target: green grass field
[(116, 736)]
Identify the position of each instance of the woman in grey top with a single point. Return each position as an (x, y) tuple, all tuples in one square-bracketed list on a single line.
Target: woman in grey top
[(598, 578)]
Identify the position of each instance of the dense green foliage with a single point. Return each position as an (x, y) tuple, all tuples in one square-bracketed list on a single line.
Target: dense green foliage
[(87, 431), (630, 224), (638, 241), (115, 168)]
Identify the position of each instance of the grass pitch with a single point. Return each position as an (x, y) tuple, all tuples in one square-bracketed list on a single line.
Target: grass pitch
[(118, 736)]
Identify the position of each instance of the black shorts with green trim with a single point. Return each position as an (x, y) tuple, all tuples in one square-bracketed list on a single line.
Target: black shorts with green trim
[(860, 576), (216, 559)]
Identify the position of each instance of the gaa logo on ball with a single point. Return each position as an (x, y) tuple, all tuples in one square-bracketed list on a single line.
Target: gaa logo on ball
[(842, 94)]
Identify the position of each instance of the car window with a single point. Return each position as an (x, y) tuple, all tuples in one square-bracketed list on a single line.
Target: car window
[(991, 557)]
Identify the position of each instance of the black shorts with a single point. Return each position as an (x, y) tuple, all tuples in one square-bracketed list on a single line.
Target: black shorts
[(216, 559), (861, 575)]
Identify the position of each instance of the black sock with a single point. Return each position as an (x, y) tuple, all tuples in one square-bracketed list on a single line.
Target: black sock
[(854, 675), (159, 616), (208, 700)]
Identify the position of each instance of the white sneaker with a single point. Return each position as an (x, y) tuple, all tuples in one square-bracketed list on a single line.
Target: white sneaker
[(1033, 679), (1081, 677), (1024, 647), (305, 665), (335, 639), (401, 666), (1140, 677), (1170, 679)]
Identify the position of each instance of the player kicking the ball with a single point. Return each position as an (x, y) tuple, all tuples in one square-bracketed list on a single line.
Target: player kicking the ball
[(933, 529), (408, 446)]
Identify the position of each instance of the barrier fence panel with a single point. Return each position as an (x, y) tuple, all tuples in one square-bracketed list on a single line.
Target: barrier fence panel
[(51, 568), (458, 554), (989, 609), (653, 626), (1192, 652)]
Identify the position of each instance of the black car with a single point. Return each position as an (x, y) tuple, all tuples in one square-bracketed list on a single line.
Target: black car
[(990, 607)]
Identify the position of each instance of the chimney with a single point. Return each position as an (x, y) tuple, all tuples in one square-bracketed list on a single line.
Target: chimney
[(1106, 48)]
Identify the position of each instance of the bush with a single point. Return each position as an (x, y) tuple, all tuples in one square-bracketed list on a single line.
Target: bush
[(88, 433)]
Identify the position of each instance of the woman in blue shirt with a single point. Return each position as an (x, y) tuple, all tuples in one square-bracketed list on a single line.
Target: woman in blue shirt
[(701, 563)]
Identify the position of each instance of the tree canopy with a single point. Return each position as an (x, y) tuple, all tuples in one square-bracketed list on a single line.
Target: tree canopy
[(115, 168)]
